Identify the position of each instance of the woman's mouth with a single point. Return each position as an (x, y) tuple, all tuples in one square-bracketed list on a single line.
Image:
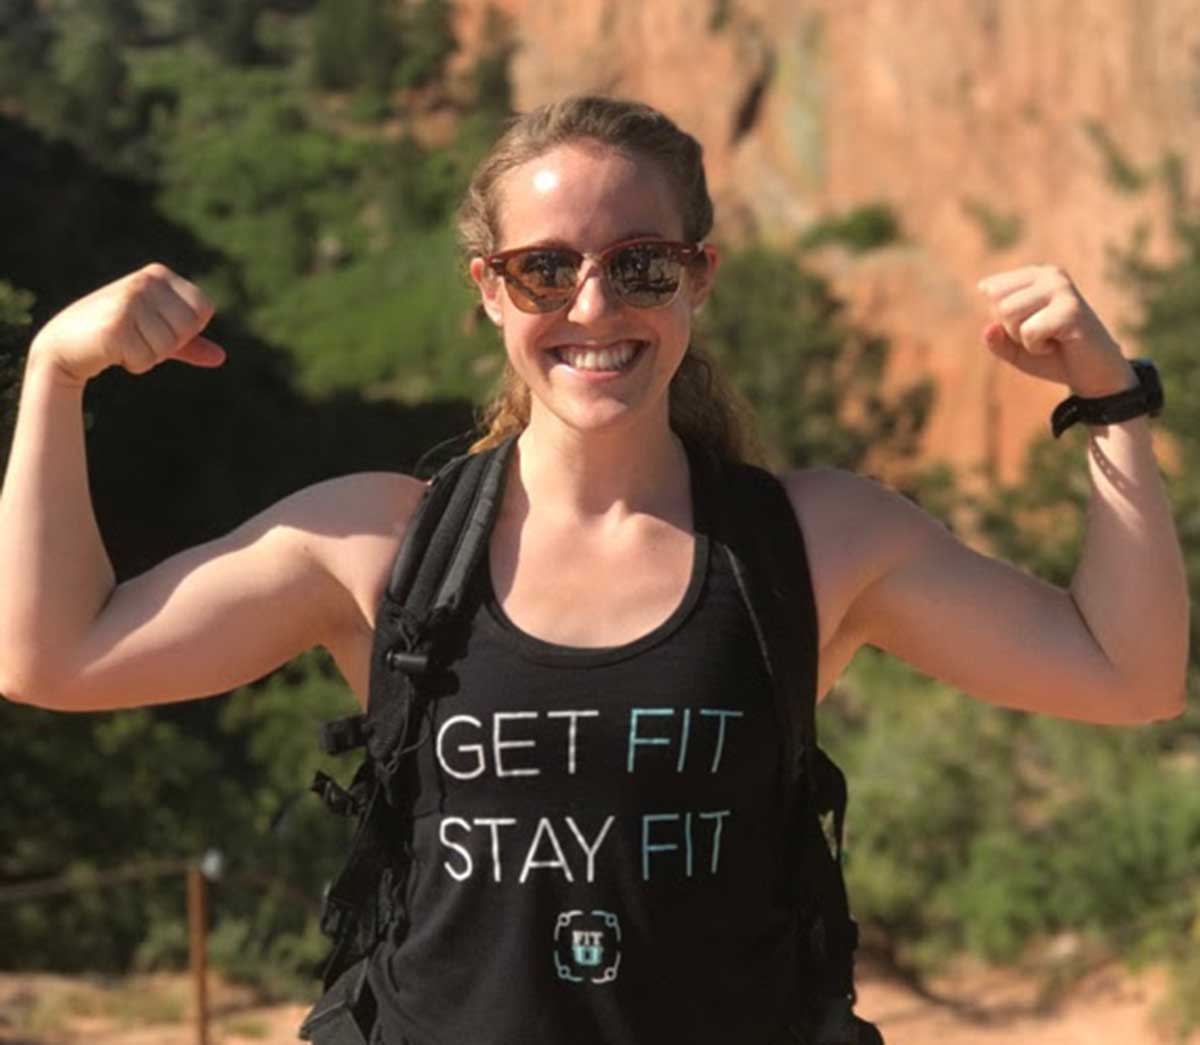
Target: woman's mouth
[(613, 357)]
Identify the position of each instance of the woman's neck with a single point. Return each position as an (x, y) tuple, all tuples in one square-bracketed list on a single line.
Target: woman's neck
[(604, 476)]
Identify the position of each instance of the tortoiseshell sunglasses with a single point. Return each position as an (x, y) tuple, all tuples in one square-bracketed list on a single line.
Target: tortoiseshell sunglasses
[(643, 273)]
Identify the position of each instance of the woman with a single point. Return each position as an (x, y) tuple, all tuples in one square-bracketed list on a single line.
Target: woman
[(599, 775)]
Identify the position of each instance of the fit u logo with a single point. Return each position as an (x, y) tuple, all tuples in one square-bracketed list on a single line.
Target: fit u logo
[(587, 946)]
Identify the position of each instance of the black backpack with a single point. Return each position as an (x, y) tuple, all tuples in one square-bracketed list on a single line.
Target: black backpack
[(417, 637)]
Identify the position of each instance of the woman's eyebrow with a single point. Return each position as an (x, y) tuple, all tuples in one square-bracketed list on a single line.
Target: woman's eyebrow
[(557, 243), (641, 234)]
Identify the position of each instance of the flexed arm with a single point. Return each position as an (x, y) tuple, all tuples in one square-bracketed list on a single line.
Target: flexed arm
[(1110, 648), (1130, 586), (202, 621), (55, 573)]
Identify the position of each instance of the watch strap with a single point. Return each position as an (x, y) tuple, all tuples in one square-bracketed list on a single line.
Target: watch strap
[(1146, 397)]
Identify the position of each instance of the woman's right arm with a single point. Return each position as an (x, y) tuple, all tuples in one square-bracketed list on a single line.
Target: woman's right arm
[(201, 622)]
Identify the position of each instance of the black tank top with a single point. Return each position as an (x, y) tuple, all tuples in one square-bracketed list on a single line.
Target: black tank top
[(597, 847)]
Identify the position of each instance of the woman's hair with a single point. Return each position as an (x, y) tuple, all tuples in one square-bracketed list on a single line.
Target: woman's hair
[(704, 408)]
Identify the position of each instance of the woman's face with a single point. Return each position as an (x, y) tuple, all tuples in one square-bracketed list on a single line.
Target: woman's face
[(587, 197)]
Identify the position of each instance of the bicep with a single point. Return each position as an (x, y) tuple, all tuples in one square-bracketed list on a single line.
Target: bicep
[(218, 615), (982, 625)]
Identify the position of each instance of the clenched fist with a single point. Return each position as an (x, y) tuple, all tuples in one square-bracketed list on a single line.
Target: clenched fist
[(1044, 327), (135, 322)]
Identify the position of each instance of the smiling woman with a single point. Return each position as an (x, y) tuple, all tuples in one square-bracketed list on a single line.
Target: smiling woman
[(586, 842), (618, 284)]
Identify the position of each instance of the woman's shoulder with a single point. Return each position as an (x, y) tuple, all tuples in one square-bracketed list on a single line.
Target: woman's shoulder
[(358, 504), (353, 525), (853, 525), (826, 498)]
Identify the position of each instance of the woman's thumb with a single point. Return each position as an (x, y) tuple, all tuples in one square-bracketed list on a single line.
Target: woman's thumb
[(200, 351), (997, 340)]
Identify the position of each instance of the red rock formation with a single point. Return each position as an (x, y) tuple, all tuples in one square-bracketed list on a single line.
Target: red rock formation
[(1002, 132)]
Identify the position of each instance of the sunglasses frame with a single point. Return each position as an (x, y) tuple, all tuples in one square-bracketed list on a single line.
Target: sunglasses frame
[(688, 253)]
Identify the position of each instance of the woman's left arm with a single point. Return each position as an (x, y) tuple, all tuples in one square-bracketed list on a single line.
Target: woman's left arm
[(1112, 647)]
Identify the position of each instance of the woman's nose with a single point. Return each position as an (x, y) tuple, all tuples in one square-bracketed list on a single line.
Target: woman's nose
[(594, 297)]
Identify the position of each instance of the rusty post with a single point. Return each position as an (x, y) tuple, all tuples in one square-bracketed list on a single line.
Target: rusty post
[(197, 947)]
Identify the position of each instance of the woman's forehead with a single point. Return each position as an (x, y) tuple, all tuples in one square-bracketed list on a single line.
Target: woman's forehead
[(588, 195)]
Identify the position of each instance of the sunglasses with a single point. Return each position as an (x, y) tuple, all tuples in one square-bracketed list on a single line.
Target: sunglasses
[(643, 273)]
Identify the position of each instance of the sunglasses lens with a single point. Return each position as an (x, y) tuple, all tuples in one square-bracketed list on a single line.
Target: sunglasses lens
[(643, 275), (646, 275), (541, 280)]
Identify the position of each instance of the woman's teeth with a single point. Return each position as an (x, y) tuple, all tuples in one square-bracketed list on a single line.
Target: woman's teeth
[(611, 357)]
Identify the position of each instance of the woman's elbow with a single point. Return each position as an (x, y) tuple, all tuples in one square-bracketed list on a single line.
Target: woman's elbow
[(20, 694), (1145, 704), (33, 692), (1169, 706)]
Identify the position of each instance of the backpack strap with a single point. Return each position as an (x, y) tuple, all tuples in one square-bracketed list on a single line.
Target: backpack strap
[(449, 530), (754, 522), (416, 626), (415, 631)]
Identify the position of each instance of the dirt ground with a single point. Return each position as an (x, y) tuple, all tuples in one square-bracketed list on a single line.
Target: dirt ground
[(974, 1007), (998, 1007)]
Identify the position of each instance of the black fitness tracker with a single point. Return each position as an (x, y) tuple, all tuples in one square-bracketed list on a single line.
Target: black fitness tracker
[(1146, 397)]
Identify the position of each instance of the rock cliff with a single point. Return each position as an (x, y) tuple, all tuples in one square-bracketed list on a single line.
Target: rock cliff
[(1001, 132)]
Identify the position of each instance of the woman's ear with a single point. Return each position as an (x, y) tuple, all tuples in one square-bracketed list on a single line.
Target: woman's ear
[(701, 277), (489, 289)]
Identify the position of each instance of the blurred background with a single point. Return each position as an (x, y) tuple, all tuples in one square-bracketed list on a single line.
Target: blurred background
[(871, 160)]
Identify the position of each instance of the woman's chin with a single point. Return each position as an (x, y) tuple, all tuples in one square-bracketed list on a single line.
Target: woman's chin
[(601, 417)]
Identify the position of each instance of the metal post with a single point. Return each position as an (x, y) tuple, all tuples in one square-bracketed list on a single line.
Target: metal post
[(197, 947)]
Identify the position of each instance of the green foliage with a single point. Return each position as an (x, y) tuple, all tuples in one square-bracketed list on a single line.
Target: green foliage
[(92, 76), (25, 40), (291, 846), (245, 169), (15, 308), (126, 792), (1000, 229), (400, 323), (355, 44), (492, 88), (860, 230), (719, 14), (227, 27), (981, 829), (920, 795), (427, 41), (14, 313), (814, 381), (1037, 523), (1119, 171), (373, 46)]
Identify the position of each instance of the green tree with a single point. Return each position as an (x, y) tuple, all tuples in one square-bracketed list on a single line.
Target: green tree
[(226, 26), (426, 41), (814, 380), (15, 306), (26, 35), (93, 80), (356, 45)]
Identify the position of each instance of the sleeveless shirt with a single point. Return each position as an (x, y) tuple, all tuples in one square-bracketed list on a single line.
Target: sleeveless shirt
[(597, 853)]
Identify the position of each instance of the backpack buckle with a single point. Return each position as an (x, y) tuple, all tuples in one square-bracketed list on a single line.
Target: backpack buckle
[(336, 797), (343, 734), (336, 917), (407, 661)]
